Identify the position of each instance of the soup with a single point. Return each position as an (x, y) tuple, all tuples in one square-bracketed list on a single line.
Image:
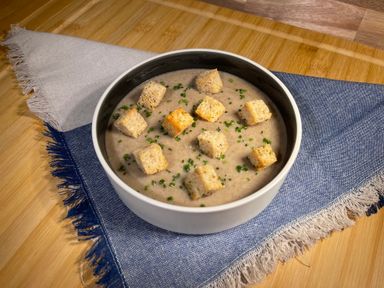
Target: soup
[(238, 176)]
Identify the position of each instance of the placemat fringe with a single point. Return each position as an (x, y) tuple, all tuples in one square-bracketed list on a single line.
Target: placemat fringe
[(293, 240), (38, 103), (81, 212)]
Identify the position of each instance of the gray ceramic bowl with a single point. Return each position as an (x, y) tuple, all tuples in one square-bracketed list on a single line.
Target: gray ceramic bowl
[(198, 220)]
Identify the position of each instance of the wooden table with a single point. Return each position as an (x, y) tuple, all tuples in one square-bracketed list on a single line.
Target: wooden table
[(39, 249)]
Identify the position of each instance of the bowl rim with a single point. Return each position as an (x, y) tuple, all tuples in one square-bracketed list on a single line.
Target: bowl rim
[(186, 209)]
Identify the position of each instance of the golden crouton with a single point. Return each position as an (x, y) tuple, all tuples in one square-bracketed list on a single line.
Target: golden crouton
[(202, 182), (255, 112), (131, 123), (210, 109), (151, 159), (177, 121), (262, 157), (152, 95), (209, 82), (212, 143)]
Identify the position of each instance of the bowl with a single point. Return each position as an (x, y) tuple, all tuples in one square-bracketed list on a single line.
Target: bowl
[(198, 220)]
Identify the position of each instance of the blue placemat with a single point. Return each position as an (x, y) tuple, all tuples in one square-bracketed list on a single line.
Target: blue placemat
[(339, 171)]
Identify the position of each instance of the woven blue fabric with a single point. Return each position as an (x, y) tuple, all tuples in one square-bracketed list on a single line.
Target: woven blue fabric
[(342, 148)]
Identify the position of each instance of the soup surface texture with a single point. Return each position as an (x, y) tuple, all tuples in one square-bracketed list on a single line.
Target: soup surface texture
[(234, 169)]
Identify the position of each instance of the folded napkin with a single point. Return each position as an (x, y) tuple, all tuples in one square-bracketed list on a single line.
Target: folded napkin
[(338, 173)]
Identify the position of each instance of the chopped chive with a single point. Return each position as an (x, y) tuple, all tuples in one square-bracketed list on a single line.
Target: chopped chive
[(127, 157), (147, 113), (183, 101), (177, 86), (267, 141), (124, 107), (240, 168), (229, 123), (115, 116)]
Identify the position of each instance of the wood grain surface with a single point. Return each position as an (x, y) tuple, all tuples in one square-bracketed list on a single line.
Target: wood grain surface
[(359, 20), (40, 249)]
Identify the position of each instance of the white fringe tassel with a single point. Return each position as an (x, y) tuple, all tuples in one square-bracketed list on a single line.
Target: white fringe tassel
[(38, 103), (293, 240)]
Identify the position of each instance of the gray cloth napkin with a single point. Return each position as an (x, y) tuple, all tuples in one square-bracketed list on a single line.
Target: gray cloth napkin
[(66, 97)]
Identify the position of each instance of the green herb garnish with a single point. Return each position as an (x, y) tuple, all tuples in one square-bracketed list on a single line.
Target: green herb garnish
[(241, 92), (183, 101), (229, 123), (124, 107), (147, 113), (267, 141), (163, 83), (162, 182), (178, 86), (170, 198), (240, 168), (115, 116)]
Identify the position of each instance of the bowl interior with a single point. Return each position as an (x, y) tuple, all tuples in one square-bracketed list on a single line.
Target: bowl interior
[(189, 59)]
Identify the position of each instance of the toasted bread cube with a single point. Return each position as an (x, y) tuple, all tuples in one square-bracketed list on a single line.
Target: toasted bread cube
[(255, 112), (209, 82), (213, 143), (202, 182), (262, 157), (152, 95), (210, 109), (177, 121), (131, 123), (151, 159)]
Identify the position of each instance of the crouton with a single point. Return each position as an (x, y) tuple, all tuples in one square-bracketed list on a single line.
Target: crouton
[(177, 121), (210, 109), (152, 95), (213, 143), (131, 123), (209, 82), (255, 112), (202, 182), (151, 159), (262, 157)]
